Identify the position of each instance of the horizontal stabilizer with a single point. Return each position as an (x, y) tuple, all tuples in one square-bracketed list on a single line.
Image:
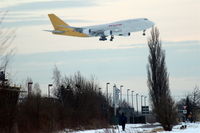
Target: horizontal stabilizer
[(70, 27), (55, 31)]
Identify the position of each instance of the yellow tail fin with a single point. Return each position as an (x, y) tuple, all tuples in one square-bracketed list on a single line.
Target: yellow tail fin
[(56, 22), (61, 28)]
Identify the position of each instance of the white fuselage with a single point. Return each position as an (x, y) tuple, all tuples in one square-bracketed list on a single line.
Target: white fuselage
[(123, 27), (118, 28)]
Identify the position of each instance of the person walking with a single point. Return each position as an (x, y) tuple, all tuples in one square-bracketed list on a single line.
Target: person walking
[(123, 121)]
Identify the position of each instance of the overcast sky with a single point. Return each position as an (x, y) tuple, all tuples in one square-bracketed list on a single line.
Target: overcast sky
[(122, 61)]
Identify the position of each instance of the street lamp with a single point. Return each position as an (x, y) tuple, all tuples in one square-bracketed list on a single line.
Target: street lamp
[(127, 96), (49, 85), (141, 100), (114, 94), (107, 89), (99, 90), (137, 102), (121, 92), (132, 98), (29, 87), (114, 99), (145, 100)]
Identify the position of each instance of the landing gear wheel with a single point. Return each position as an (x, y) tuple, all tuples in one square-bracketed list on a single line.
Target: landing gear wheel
[(102, 38), (111, 38), (144, 33)]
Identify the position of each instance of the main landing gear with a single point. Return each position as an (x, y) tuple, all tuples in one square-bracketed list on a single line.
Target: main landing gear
[(144, 33), (102, 38), (111, 38)]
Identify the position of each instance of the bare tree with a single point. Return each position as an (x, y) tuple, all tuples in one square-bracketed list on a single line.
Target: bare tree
[(36, 89), (6, 38), (28, 80), (158, 83), (8, 95), (194, 109), (195, 96), (84, 105), (56, 80)]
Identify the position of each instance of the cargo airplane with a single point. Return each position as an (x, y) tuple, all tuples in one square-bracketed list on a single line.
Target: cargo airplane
[(118, 28)]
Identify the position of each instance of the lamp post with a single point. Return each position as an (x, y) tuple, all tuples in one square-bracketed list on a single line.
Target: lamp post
[(132, 97), (107, 90), (30, 88), (137, 102), (49, 85), (114, 100), (141, 100), (127, 96), (145, 100), (114, 86), (121, 92), (99, 91)]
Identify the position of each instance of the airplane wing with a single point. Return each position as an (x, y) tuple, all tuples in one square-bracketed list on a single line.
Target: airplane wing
[(97, 32), (91, 31)]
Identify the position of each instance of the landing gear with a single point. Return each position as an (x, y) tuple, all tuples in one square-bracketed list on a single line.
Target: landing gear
[(102, 38), (144, 33), (111, 38)]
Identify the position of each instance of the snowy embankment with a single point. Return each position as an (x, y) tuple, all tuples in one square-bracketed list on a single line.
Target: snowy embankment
[(145, 128)]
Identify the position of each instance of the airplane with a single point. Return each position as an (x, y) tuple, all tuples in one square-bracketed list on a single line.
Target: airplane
[(118, 28)]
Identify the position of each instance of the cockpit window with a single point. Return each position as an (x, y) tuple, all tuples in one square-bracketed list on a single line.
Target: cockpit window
[(145, 19)]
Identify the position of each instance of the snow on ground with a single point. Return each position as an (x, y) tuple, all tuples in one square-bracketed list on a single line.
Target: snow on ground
[(145, 128), (191, 128)]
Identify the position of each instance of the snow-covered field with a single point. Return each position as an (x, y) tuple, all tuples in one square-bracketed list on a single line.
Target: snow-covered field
[(146, 128)]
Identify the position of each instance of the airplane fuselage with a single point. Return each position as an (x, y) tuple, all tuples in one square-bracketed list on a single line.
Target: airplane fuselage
[(118, 28), (123, 27)]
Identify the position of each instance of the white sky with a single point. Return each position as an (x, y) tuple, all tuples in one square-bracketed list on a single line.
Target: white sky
[(177, 20)]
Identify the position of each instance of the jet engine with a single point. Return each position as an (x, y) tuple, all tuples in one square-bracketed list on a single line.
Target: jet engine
[(108, 32), (87, 31)]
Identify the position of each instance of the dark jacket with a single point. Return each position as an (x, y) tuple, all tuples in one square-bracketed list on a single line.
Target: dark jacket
[(122, 119)]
